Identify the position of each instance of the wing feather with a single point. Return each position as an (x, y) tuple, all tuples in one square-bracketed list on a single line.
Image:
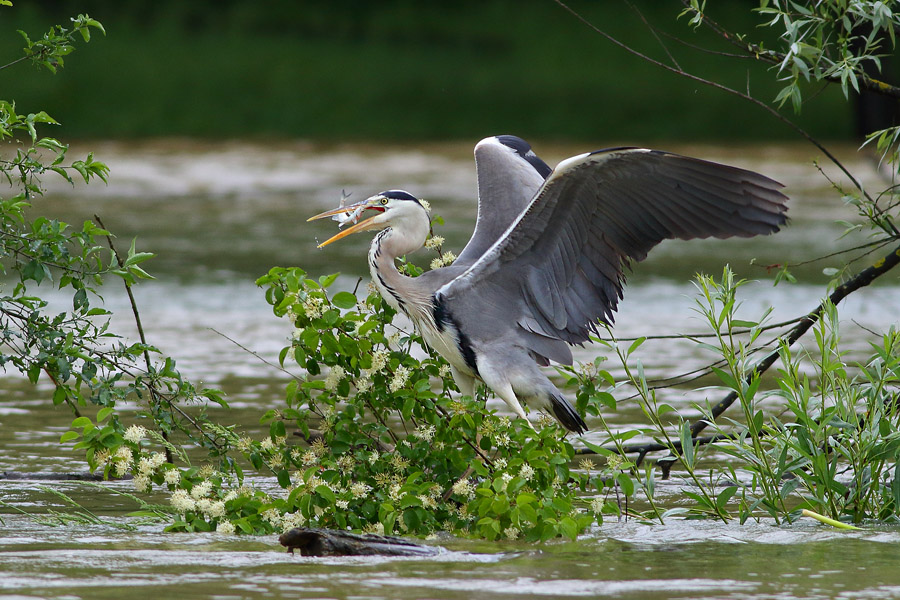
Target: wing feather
[(559, 267), (509, 175)]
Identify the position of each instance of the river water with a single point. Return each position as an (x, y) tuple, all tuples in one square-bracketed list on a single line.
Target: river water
[(219, 215)]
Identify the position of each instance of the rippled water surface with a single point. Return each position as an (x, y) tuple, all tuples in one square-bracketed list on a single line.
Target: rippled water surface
[(220, 215)]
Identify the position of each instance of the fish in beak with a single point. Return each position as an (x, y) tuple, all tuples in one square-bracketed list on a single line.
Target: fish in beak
[(352, 212)]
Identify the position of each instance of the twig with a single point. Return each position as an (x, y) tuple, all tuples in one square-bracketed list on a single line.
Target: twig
[(721, 87), (137, 320)]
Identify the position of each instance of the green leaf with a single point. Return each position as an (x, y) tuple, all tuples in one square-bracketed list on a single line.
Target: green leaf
[(69, 435), (687, 445), (344, 300), (284, 478)]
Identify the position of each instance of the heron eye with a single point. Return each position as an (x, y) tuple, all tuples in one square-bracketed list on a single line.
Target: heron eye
[(384, 201)]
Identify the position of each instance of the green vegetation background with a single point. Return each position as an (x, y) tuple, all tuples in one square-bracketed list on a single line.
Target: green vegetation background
[(396, 69)]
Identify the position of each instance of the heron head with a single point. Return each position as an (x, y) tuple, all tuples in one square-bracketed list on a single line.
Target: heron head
[(391, 208)]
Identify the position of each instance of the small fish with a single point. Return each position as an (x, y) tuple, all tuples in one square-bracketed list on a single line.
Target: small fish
[(351, 215)]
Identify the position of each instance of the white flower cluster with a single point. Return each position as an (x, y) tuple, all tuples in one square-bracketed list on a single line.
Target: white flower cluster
[(511, 533), (376, 528), (425, 204), (424, 432), (334, 377), (291, 520), (313, 306), (122, 459), (464, 488), (596, 505), (135, 434), (434, 242), (359, 490), (446, 258), (147, 466), (401, 376), (181, 501), (379, 361), (526, 472), (226, 527)]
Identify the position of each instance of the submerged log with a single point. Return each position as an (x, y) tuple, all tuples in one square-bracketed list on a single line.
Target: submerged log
[(330, 542)]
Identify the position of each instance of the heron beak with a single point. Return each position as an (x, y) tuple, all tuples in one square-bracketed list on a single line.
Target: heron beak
[(364, 225)]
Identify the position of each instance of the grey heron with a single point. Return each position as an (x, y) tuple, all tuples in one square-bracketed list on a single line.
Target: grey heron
[(546, 262)]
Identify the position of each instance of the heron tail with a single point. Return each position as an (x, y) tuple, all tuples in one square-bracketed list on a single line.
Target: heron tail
[(566, 414)]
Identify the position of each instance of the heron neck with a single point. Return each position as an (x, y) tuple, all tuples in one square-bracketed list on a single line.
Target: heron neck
[(400, 291)]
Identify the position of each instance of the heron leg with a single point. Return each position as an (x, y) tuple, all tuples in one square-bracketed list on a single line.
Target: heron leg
[(502, 387), (464, 381)]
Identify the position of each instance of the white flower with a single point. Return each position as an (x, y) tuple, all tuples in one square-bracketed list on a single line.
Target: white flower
[(141, 483), (526, 472), (464, 488), (363, 384), (502, 440), (124, 454), (424, 432), (182, 501), (309, 458), (312, 307), (172, 476), (334, 377), (226, 527), (444, 371), (135, 434), (376, 528), (267, 444), (379, 360), (448, 258), (394, 492), (500, 463), (373, 458), (216, 509), (291, 520), (401, 376), (273, 516), (436, 263), (434, 242), (201, 490), (545, 420), (157, 460), (596, 506), (342, 504), (425, 204), (359, 489), (506, 478), (144, 467), (511, 533), (203, 505)]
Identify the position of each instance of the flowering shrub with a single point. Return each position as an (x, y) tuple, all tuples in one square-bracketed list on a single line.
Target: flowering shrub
[(387, 448)]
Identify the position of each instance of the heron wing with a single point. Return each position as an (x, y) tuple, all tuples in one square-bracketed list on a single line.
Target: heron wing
[(560, 266), (509, 175)]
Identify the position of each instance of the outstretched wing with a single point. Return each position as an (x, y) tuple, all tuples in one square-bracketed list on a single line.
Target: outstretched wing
[(509, 175), (560, 266)]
